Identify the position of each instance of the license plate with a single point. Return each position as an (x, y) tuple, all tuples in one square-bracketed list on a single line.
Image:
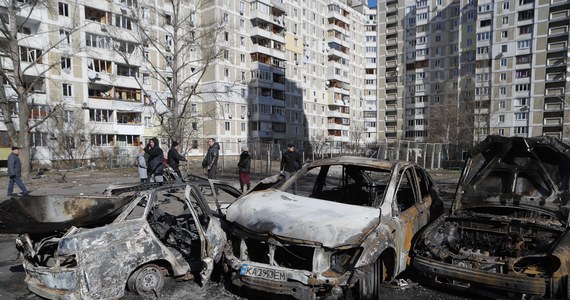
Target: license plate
[(264, 273)]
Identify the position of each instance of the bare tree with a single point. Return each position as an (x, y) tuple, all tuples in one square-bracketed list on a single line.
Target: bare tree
[(70, 136), (451, 123), (24, 66), (357, 130), (177, 53)]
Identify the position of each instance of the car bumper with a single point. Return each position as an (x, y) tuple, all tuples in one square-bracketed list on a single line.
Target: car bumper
[(52, 284), (299, 284), (465, 277)]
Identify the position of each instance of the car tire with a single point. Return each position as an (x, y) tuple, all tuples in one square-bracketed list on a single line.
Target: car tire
[(368, 287), (147, 280)]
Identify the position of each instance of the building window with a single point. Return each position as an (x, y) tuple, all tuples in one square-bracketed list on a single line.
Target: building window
[(39, 139), (502, 104), (63, 9), (101, 115), (64, 37), (66, 90), (520, 130), (506, 5), (523, 44), (66, 64), (502, 90), (31, 55), (503, 76), (501, 118), (146, 78), (227, 126), (521, 102), (521, 116), (501, 131), (503, 62)]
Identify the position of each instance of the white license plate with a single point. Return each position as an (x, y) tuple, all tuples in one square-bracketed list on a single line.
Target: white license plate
[(264, 273)]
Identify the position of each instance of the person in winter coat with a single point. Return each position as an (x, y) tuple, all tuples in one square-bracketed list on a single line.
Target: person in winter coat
[(174, 159), (15, 172), (211, 159), (291, 162), (244, 169), (141, 165), (155, 166)]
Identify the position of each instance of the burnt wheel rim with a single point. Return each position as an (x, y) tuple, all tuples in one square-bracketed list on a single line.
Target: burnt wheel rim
[(149, 279)]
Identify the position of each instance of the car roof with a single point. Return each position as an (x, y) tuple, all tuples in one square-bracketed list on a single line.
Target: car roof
[(359, 161)]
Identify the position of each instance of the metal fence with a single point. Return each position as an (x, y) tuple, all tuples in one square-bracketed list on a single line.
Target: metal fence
[(266, 156)]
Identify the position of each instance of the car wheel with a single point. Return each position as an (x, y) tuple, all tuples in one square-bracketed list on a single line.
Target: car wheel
[(147, 280), (368, 287)]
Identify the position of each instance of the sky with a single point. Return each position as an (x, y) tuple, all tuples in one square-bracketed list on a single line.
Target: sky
[(371, 3)]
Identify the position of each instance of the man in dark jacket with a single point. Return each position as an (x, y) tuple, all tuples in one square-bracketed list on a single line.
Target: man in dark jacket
[(15, 172), (211, 159), (174, 159), (291, 162), (155, 166)]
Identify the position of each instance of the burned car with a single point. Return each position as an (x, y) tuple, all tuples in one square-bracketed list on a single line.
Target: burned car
[(164, 231), (336, 229), (507, 231)]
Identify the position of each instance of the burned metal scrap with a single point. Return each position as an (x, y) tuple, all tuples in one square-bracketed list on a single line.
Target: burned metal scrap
[(163, 231), (507, 231)]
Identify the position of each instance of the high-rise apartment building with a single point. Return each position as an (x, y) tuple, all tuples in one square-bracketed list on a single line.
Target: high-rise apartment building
[(472, 68)]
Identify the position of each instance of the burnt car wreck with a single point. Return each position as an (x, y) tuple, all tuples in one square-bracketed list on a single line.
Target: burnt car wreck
[(338, 228), (507, 231), (162, 231)]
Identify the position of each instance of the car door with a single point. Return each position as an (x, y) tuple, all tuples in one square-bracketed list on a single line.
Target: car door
[(212, 237), (410, 212)]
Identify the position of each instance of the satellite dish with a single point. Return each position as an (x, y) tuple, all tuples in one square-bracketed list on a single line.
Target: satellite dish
[(92, 75), (327, 83)]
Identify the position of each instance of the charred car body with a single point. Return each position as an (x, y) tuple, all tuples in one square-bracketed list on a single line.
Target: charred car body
[(348, 228), (164, 231), (507, 230)]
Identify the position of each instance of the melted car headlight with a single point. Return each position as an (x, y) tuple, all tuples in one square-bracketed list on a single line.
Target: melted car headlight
[(342, 260)]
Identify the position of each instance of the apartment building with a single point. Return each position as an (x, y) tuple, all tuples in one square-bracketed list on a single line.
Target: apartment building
[(301, 71), (503, 65)]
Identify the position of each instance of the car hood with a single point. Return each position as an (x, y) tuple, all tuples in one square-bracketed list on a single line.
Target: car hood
[(518, 172), (296, 217)]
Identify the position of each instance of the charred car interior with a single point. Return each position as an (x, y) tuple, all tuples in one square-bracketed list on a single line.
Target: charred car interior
[(507, 231), (165, 231), (337, 229)]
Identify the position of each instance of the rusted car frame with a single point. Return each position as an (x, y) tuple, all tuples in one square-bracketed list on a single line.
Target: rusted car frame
[(347, 229), (165, 231), (507, 232)]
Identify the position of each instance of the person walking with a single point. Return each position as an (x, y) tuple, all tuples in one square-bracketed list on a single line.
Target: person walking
[(155, 156), (174, 159), (15, 172), (141, 165), (211, 159), (244, 169), (291, 162)]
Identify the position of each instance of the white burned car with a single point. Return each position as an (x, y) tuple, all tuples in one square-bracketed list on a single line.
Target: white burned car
[(165, 231), (347, 229)]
